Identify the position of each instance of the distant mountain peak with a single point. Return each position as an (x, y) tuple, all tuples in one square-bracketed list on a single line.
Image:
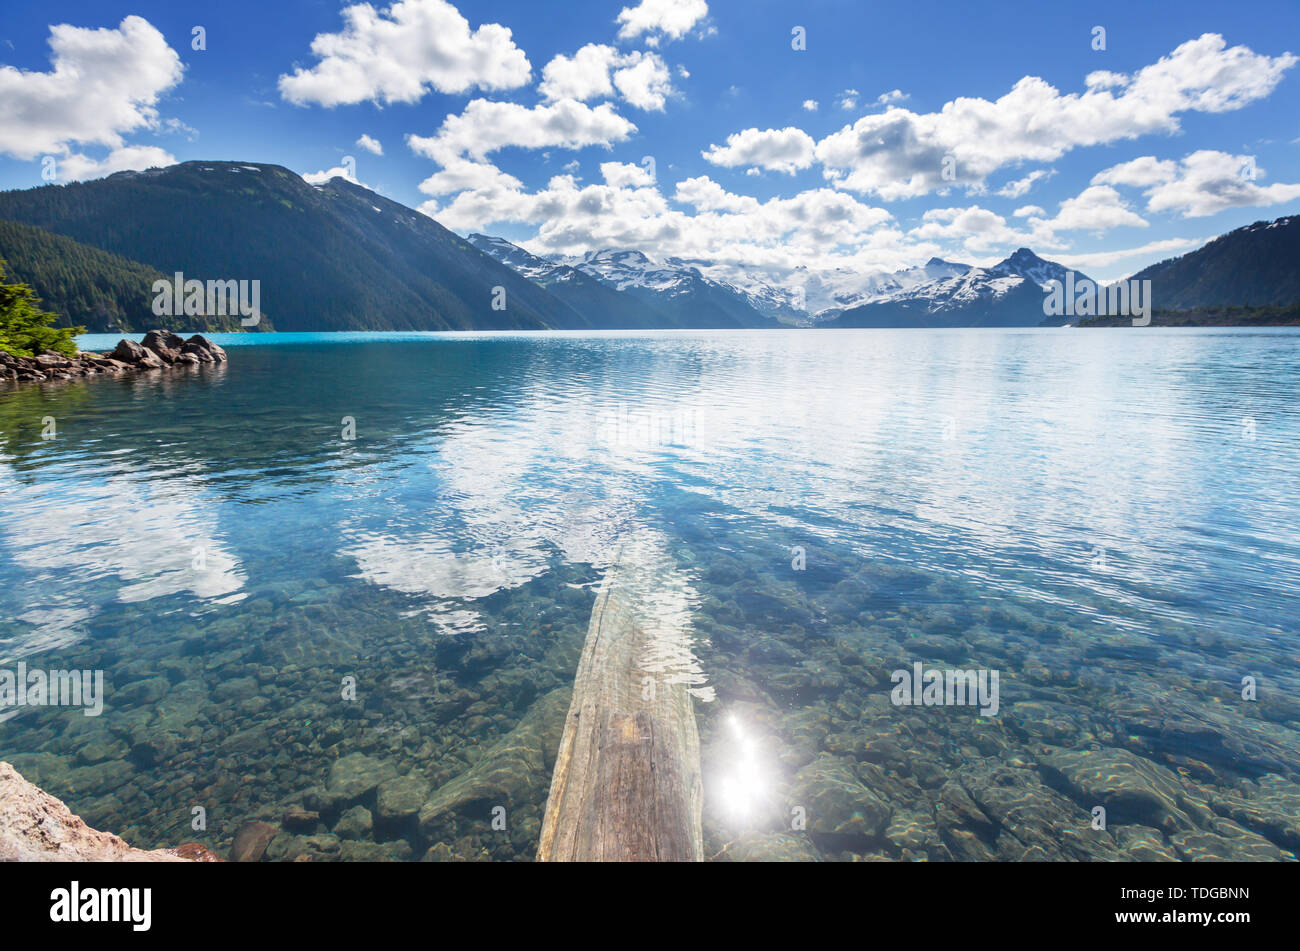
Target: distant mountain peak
[(620, 256)]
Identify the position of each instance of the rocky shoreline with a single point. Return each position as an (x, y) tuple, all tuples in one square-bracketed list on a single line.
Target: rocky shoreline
[(37, 827), (159, 350)]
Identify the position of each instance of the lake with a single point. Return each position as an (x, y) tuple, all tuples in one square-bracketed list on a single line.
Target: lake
[(342, 583)]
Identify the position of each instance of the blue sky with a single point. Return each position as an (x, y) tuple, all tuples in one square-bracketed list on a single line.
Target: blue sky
[(1189, 125)]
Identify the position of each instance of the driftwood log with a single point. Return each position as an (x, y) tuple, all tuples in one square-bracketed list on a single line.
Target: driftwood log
[(626, 786)]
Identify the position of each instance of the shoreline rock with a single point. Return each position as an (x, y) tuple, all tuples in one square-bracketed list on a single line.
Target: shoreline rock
[(159, 350), (37, 827)]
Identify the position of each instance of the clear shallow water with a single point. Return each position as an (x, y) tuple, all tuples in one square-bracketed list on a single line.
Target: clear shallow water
[(1108, 519)]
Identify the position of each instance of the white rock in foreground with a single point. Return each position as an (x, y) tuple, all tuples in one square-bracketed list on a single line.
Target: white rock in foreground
[(36, 827)]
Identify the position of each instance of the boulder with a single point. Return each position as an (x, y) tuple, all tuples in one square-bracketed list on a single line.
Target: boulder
[(204, 349), (251, 841), (128, 351), (158, 340), (36, 827)]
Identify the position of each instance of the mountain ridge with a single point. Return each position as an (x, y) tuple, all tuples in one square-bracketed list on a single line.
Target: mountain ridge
[(330, 257)]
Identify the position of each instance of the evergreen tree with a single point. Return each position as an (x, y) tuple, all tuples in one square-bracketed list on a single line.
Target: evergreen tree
[(25, 329)]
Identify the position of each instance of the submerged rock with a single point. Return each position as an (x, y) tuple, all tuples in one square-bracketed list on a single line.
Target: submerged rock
[(512, 771), (251, 841), (401, 798), (836, 802), (1130, 788), (355, 776), (356, 823)]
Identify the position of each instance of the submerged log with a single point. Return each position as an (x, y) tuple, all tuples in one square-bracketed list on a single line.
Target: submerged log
[(626, 786)]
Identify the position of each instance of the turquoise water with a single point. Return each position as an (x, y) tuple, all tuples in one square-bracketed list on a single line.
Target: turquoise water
[(1106, 518)]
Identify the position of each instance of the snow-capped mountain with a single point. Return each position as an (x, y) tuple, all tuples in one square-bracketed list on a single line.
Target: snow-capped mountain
[(513, 256), (809, 296), (615, 288), (679, 293), (1008, 294), (1025, 263)]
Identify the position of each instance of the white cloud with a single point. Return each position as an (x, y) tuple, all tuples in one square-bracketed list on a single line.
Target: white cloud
[(1202, 184), (669, 18), (625, 175), (1098, 259), (848, 99), (628, 210), (810, 105), (891, 97), (1096, 208), (77, 167), (781, 150), (1141, 172), (342, 171), (978, 229), (486, 126), (900, 154), (646, 84), (1206, 182), (598, 72), (399, 54), (104, 84), (582, 76), (370, 144), (1021, 186), (462, 175)]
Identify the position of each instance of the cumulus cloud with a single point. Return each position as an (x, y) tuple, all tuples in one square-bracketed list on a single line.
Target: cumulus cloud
[(780, 150), (402, 52), (701, 220), (891, 97), (1202, 184), (1140, 172), (78, 167), (597, 71), (1096, 208), (900, 154), (976, 228), (104, 84), (486, 126), (465, 175), (668, 18), (810, 105), (625, 175), (848, 99), (370, 144)]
